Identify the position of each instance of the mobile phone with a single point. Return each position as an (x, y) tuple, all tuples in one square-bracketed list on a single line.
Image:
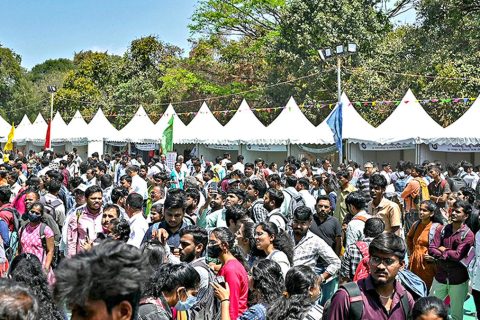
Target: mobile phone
[(221, 281)]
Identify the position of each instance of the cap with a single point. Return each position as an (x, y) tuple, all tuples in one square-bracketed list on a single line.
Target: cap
[(81, 187)]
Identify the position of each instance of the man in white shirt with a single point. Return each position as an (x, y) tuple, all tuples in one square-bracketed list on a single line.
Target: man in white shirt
[(138, 224), (303, 189), (160, 165), (239, 165), (138, 184)]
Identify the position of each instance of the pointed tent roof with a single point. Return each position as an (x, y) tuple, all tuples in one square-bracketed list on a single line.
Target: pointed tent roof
[(204, 128), (39, 129), (140, 129), (77, 128), (59, 128), (235, 128), (100, 128), (23, 130), (4, 128), (354, 127), (178, 126), (409, 123), (280, 130), (464, 131)]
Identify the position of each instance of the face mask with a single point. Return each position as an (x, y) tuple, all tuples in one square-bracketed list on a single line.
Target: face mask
[(214, 251), (187, 304), (34, 217)]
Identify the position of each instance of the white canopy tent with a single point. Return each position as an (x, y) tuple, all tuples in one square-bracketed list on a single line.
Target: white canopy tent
[(203, 129), (23, 131), (38, 131), (140, 129), (99, 129), (409, 123), (59, 129), (245, 128), (464, 131), (77, 129), (4, 129), (291, 126), (178, 126)]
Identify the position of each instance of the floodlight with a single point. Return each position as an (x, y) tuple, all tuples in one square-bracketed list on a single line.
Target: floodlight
[(340, 49), (352, 48)]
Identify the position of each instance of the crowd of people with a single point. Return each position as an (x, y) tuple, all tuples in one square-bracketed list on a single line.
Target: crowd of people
[(113, 237)]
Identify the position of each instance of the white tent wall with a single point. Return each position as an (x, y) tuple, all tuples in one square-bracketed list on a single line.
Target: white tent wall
[(94, 146), (209, 154), (447, 157), (81, 149), (392, 156)]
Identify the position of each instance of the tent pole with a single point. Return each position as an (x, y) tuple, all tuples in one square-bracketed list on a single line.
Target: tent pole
[(289, 150), (239, 148)]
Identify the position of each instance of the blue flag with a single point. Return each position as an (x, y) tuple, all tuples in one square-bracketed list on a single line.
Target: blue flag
[(335, 122)]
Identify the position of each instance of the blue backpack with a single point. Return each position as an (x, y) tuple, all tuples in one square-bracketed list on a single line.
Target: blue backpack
[(400, 182), (413, 284)]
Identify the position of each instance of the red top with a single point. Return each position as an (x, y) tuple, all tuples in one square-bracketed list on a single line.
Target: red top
[(237, 279)]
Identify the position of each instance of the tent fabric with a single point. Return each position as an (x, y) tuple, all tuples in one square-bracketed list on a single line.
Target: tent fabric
[(178, 126), (464, 131), (291, 126), (245, 128), (58, 129), (4, 128), (38, 129), (100, 128), (77, 128), (203, 129), (140, 129), (409, 123), (23, 130)]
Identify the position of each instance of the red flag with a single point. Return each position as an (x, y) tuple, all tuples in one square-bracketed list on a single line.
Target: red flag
[(47, 138)]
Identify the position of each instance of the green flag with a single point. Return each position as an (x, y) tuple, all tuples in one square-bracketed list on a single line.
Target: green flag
[(167, 137)]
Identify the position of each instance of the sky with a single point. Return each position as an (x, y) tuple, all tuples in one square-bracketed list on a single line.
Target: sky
[(38, 30)]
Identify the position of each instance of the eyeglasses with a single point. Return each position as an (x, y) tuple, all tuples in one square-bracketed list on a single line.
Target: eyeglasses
[(385, 261)]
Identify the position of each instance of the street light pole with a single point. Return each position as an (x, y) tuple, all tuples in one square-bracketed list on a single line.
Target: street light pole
[(51, 90), (339, 78)]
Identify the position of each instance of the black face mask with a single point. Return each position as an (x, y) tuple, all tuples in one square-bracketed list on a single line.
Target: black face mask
[(214, 251)]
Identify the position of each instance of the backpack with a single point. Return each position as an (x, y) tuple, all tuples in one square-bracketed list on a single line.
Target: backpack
[(288, 226), (412, 283), (356, 302), (363, 269), (11, 251), (431, 232), (207, 306), (400, 183), (423, 194), (295, 202), (50, 206), (456, 183)]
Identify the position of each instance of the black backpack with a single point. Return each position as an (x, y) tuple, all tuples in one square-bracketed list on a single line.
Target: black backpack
[(456, 183)]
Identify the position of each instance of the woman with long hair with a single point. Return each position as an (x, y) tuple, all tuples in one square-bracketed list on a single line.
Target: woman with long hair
[(221, 246), (277, 244), (246, 241), (299, 301), (37, 238), (267, 284), (27, 269), (418, 241)]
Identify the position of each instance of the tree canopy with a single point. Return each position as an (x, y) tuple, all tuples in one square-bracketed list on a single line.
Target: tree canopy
[(266, 51)]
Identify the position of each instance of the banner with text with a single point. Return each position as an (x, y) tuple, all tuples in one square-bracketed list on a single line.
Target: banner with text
[(454, 148), (386, 147), (266, 147)]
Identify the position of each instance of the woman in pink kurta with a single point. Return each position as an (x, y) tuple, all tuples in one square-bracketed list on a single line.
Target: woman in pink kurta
[(31, 238)]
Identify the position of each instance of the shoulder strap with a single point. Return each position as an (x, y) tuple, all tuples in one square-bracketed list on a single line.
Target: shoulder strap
[(361, 218), (363, 247), (405, 305), (417, 224), (356, 301)]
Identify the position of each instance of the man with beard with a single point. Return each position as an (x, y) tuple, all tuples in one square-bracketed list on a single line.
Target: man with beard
[(383, 208), (218, 218), (255, 193), (214, 202), (192, 200), (85, 223), (272, 201), (311, 250), (326, 226), (380, 295), (169, 229)]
